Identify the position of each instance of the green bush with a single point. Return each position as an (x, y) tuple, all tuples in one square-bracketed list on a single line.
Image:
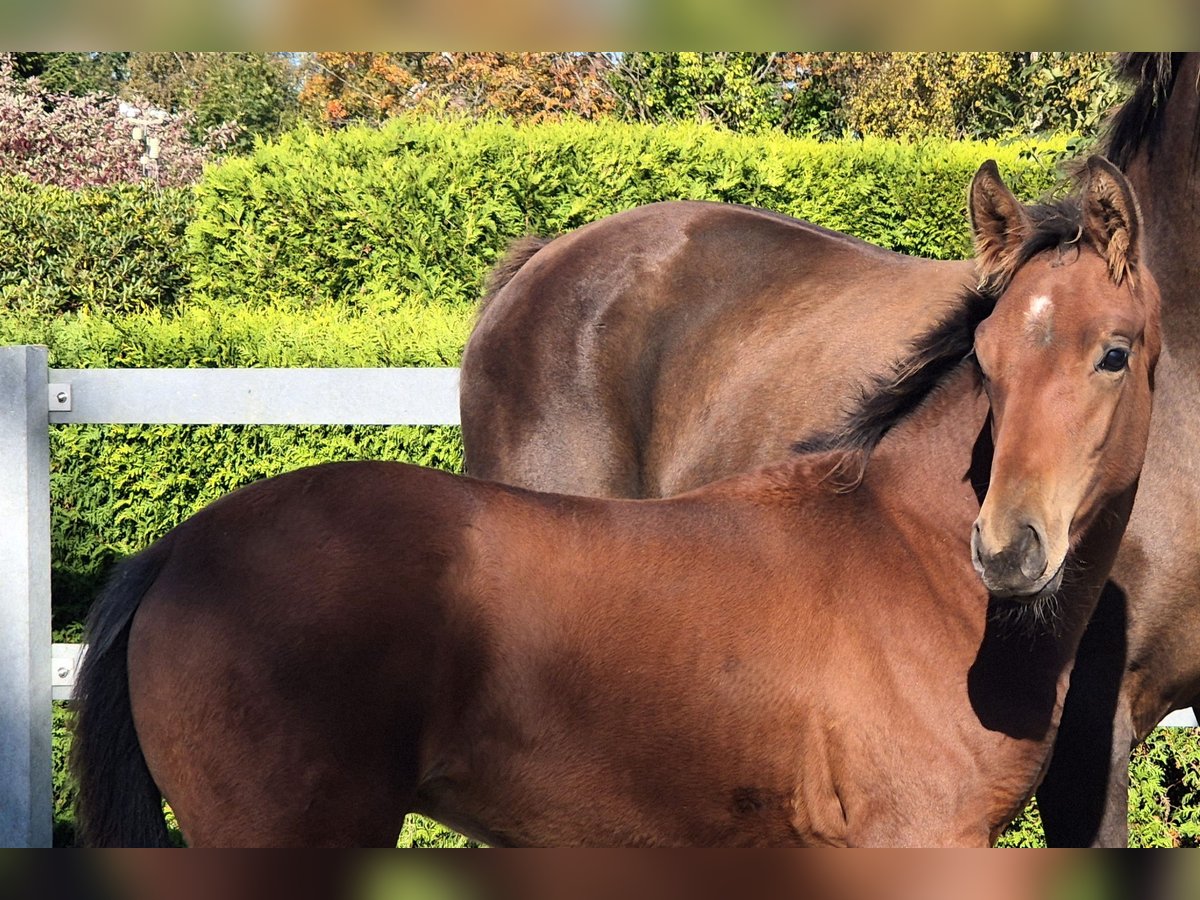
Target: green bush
[(1164, 809), (117, 248), (420, 209), (389, 333), (423, 208)]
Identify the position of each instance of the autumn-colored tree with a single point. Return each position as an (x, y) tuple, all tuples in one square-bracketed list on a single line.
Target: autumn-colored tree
[(356, 87), (533, 87), (340, 88), (823, 94)]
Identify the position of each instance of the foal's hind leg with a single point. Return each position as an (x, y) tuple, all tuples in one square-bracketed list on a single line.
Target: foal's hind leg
[(288, 787), (320, 816), (250, 754)]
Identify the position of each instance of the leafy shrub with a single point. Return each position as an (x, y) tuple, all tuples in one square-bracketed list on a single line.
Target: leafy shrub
[(1164, 795), (420, 210), (389, 333), (423, 209), (1164, 790), (72, 141), (116, 248)]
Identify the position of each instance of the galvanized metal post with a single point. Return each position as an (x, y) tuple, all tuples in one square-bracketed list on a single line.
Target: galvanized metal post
[(25, 801)]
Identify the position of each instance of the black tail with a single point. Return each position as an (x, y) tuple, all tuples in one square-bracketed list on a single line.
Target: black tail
[(118, 803)]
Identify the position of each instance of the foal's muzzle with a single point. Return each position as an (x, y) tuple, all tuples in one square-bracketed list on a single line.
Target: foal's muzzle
[(1017, 570)]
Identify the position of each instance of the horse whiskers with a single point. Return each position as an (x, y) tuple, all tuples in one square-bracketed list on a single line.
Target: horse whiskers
[(1028, 618)]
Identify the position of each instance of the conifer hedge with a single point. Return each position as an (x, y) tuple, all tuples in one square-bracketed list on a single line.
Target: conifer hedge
[(423, 208)]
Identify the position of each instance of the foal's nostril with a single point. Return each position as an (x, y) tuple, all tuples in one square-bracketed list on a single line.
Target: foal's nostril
[(1032, 550)]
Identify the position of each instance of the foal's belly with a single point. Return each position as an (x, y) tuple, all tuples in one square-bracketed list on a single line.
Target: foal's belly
[(557, 804)]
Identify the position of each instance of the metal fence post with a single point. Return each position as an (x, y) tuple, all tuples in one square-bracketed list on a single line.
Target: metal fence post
[(25, 797)]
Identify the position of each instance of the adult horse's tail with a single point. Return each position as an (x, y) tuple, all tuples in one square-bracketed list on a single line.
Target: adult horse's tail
[(518, 253), (118, 804)]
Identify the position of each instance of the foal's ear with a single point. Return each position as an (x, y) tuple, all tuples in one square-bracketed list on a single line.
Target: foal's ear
[(1111, 218), (999, 223)]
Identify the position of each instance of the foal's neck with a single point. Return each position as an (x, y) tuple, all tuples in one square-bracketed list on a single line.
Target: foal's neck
[(945, 443)]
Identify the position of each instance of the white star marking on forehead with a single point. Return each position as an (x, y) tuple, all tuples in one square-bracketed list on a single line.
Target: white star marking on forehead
[(1039, 318)]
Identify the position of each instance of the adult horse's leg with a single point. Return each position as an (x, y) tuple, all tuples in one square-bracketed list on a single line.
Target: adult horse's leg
[(1083, 798)]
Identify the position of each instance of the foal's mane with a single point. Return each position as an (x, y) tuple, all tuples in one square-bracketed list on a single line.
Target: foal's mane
[(889, 398), (1139, 120)]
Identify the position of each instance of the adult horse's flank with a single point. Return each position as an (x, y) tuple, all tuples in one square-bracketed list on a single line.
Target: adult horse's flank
[(674, 344), (800, 655)]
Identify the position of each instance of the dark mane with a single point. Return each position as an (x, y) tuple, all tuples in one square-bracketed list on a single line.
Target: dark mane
[(1138, 121), (889, 398)]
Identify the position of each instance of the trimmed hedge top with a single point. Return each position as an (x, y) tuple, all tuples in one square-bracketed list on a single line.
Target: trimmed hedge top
[(418, 211), (424, 208)]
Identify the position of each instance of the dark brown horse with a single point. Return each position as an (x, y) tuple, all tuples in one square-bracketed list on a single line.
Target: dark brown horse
[(674, 344), (806, 654)]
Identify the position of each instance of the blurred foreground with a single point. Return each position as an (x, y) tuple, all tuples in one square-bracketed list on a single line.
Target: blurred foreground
[(597, 875)]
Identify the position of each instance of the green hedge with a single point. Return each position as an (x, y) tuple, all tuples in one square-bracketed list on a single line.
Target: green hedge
[(424, 208), (118, 248), (420, 210)]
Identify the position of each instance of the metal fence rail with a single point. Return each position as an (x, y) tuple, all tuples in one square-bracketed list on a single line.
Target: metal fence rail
[(34, 397)]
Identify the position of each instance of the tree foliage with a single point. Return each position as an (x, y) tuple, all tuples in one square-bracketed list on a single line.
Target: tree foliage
[(972, 95), (76, 73), (740, 91), (340, 88), (889, 95), (255, 90)]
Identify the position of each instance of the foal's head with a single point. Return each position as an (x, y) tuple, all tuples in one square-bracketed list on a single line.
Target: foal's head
[(1067, 357)]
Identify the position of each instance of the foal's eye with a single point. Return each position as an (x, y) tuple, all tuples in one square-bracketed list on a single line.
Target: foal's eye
[(1115, 360)]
